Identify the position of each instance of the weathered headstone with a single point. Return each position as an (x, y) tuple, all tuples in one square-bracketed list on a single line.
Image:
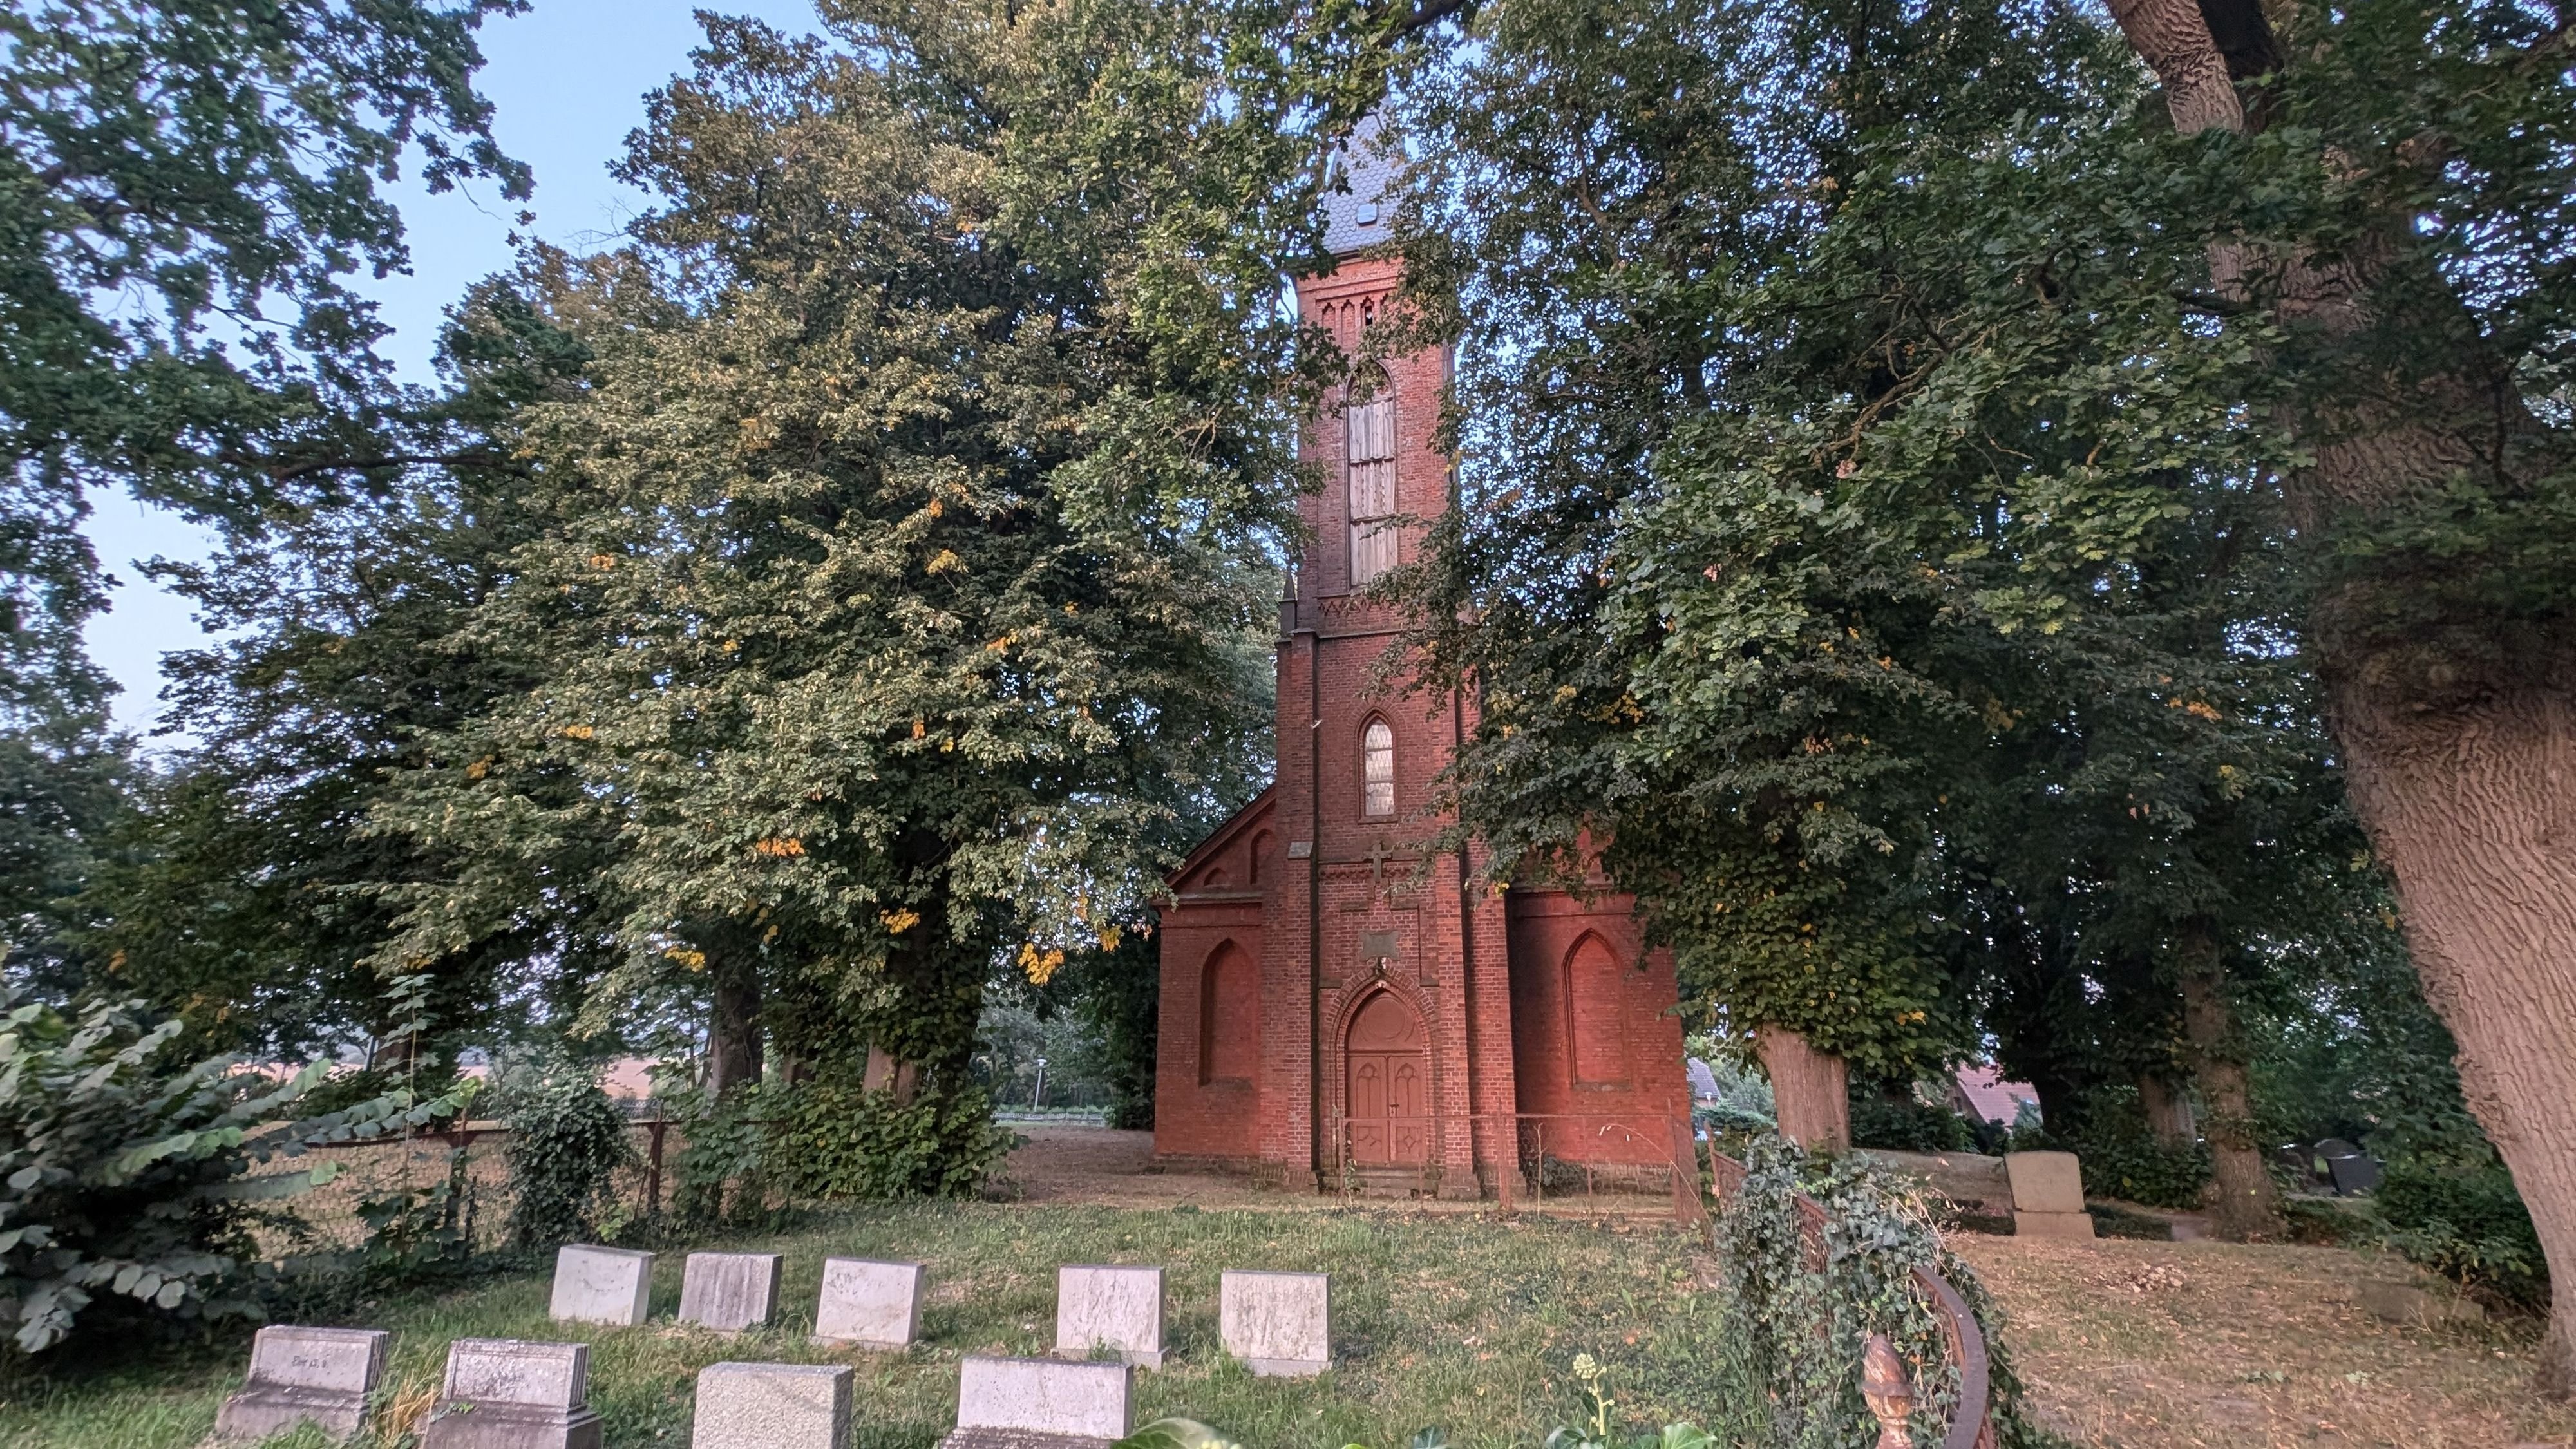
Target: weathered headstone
[(2353, 1172), (1119, 1309), (508, 1393), (2415, 1304), (772, 1406), (296, 1374), (729, 1292), (2048, 1195), (1032, 1403), (1279, 1324), (871, 1304), (601, 1285)]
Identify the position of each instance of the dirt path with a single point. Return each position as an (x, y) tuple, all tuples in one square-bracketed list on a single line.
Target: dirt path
[(1111, 1168), (2138, 1345)]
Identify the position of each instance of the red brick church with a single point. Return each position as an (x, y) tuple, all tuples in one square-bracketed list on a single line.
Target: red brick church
[(1327, 1002)]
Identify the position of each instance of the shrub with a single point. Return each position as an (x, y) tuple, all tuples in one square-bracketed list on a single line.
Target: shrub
[(1802, 1329), (2139, 1169), (1880, 1121), (420, 1234), (124, 1192), (567, 1141), (832, 1141), (2468, 1224), (828, 1141)]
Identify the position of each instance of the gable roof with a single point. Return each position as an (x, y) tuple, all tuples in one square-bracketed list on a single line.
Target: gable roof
[(1236, 826)]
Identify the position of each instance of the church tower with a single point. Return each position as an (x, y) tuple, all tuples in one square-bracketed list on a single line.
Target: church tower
[(1336, 998)]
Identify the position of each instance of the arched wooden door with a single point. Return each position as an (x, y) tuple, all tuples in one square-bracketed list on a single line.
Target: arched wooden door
[(1387, 1058)]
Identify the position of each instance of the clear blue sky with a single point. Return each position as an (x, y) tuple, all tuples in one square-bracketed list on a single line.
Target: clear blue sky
[(568, 80)]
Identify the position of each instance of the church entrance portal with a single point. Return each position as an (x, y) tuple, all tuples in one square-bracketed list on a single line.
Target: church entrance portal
[(1388, 1061)]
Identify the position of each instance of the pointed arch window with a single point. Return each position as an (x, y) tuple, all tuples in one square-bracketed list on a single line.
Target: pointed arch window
[(1377, 770), (1371, 459)]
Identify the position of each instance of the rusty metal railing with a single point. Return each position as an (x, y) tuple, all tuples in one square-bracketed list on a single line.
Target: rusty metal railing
[(1636, 1141), (1887, 1382)]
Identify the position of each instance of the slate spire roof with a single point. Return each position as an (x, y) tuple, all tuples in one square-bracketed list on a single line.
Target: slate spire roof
[(1359, 189)]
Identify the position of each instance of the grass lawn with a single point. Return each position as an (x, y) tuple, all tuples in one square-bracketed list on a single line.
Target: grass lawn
[(1465, 1322)]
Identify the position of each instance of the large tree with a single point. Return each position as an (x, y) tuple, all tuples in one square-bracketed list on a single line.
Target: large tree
[(2391, 186), (239, 897), (898, 596), (186, 190), (2021, 362)]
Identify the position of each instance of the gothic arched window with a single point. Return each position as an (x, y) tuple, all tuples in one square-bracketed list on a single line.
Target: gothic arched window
[(1371, 459), (1377, 769)]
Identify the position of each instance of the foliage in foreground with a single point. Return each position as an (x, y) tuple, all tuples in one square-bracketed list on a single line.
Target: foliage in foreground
[(828, 1141), (124, 1187), (567, 1140), (1802, 1332)]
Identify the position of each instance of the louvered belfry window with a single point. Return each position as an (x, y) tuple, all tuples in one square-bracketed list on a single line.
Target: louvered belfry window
[(1372, 469)]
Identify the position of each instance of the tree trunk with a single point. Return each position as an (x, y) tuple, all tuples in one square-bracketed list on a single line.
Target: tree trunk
[(2246, 1206), (2169, 1113), (2478, 822), (733, 1031), (2458, 738), (1810, 1090)]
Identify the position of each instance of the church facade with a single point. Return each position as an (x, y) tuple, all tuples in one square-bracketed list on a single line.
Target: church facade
[(1337, 1003)]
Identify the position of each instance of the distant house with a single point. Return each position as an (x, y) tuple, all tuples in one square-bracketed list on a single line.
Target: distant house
[(1703, 1082), (1982, 1095)]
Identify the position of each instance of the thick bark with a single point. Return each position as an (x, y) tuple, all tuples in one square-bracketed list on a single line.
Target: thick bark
[(2169, 1113), (2459, 739), (1810, 1090), (2476, 814), (733, 1030), (2245, 1205)]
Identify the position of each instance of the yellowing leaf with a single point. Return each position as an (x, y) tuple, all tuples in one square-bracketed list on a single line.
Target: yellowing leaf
[(899, 921), (578, 732), (1039, 966)]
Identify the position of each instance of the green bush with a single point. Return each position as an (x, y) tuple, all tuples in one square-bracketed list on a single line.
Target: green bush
[(124, 1187), (419, 1235), (567, 1141), (820, 1141), (837, 1142), (1801, 1323), (2122, 1158), (2469, 1225), (2139, 1169), (1880, 1121)]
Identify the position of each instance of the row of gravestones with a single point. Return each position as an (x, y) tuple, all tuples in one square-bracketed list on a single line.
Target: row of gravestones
[(513, 1394), (1277, 1323)]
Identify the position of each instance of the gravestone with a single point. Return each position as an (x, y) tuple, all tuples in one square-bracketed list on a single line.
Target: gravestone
[(1279, 1324), (1034, 1403), (2048, 1195), (1119, 1309), (2352, 1172), (601, 1285), (871, 1304), (2413, 1303), (772, 1406), (508, 1393), (729, 1292), (296, 1374)]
